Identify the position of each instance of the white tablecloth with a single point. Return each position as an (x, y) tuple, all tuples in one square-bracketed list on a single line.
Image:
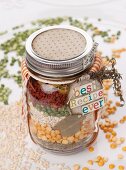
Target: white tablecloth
[(14, 12)]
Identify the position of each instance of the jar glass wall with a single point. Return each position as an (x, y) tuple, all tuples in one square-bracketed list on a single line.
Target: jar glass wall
[(52, 123)]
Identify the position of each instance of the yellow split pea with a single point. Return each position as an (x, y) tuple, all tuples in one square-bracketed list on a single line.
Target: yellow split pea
[(85, 168), (76, 167), (121, 167), (111, 166), (46, 133), (91, 149), (124, 148)]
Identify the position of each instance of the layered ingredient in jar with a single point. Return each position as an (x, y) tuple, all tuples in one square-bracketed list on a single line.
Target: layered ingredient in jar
[(47, 133), (51, 119), (50, 99)]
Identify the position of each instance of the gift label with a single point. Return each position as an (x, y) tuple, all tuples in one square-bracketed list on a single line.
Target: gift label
[(73, 123), (86, 96), (80, 101), (93, 106), (70, 125)]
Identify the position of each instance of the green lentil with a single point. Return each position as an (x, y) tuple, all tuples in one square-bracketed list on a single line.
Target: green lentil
[(4, 93), (17, 27), (64, 111), (18, 79), (3, 33), (3, 71), (13, 60), (99, 19)]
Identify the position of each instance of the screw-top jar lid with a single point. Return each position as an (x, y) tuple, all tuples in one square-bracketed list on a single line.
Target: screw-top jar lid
[(59, 51)]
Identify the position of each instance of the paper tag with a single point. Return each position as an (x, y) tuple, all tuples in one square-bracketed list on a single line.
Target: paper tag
[(73, 123), (86, 99), (86, 96), (93, 106)]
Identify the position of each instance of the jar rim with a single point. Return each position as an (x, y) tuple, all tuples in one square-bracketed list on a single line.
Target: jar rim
[(60, 68)]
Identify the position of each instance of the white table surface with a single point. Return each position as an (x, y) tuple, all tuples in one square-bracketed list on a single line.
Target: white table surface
[(14, 12)]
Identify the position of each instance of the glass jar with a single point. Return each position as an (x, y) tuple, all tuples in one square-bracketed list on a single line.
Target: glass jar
[(62, 102)]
